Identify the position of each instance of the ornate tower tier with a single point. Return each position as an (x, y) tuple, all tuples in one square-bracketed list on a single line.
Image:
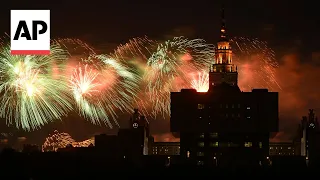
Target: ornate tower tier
[(222, 69)]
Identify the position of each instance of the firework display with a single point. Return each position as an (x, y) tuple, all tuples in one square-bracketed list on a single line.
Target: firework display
[(102, 85), (75, 47), (170, 66), (163, 68), (62, 140), (256, 64), (33, 93), (141, 73), (200, 82)]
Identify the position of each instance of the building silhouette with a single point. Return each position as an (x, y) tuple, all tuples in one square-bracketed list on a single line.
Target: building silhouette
[(224, 126), (164, 148), (130, 143), (275, 148), (309, 136), (283, 149)]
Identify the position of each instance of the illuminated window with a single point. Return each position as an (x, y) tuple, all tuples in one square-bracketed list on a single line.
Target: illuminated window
[(200, 106), (248, 108), (215, 144), (200, 163), (188, 154), (200, 154), (201, 144), (289, 147), (202, 135), (271, 147), (248, 117), (213, 135), (248, 144), (260, 144)]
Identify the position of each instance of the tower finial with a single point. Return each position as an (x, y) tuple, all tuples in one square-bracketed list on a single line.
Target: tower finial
[(223, 33)]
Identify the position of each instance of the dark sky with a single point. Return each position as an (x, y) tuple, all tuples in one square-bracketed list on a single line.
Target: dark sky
[(280, 22), (289, 27)]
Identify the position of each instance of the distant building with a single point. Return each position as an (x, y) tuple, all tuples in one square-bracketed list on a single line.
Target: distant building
[(275, 148), (165, 148), (309, 136), (224, 125), (282, 149), (30, 148), (131, 143), (12, 140)]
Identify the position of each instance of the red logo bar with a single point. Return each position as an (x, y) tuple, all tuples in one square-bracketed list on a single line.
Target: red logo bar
[(30, 52)]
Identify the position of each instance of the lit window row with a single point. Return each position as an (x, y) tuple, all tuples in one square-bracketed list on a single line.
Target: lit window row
[(280, 148), (212, 135), (216, 144), (202, 106), (200, 163), (230, 106)]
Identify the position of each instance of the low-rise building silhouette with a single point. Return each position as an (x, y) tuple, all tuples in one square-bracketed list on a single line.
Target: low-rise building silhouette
[(165, 148), (131, 143), (282, 149)]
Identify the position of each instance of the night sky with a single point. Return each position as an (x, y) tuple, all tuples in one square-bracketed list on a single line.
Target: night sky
[(290, 28)]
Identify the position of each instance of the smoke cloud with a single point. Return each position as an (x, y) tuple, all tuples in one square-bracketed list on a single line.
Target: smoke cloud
[(300, 91), (166, 137)]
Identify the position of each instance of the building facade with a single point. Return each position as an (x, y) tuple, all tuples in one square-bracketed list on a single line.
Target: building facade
[(131, 143), (165, 148), (283, 149), (309, 136), (224, 125)]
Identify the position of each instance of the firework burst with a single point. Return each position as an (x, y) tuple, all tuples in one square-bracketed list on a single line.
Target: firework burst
[(32, 92), (102, 85), (62, 140), (75, 47), (135, 49), (256, 64), (134, 54), (201, 81), (168, 69)]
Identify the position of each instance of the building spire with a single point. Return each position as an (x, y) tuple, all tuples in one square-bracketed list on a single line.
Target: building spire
[(223, 33), (223, 70)]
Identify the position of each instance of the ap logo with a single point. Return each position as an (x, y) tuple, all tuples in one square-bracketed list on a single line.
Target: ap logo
[(30, 32)]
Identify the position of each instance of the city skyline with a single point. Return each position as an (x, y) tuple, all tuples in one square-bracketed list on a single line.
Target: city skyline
[(172, 88), (290, 66)]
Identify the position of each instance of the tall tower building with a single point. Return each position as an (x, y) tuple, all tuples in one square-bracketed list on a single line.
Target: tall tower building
[(141, 126), (224, 125), (223, 71)]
